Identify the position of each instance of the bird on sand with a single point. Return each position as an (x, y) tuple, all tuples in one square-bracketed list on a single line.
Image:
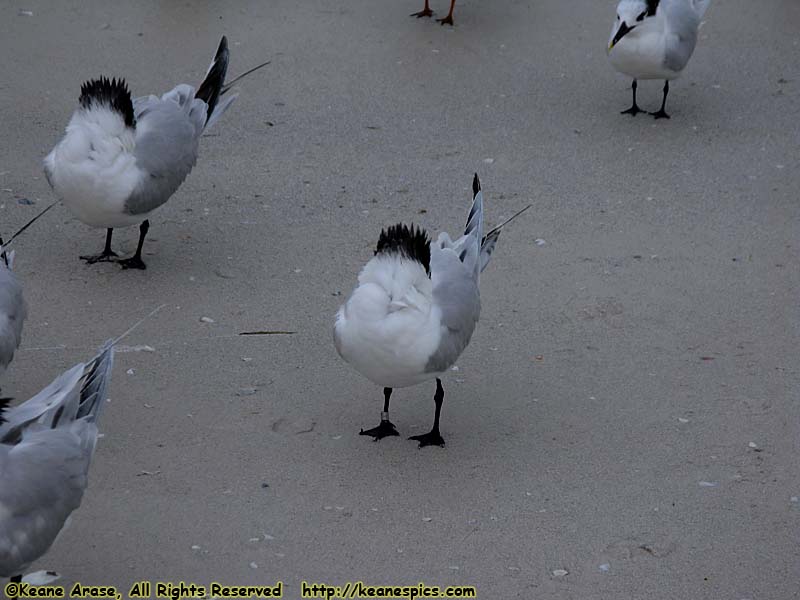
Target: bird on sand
[(427, 12), (414, 309), (122, 158), (13, 310), (654, 39), (46, 447)]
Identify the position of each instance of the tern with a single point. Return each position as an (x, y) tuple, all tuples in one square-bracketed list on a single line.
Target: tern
[(654, 39), (122, 158), (414, 309)]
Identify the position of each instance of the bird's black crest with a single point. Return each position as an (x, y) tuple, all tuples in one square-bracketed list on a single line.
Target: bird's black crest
[(476, 185), (409, 242), (652, 5), (113, 93)]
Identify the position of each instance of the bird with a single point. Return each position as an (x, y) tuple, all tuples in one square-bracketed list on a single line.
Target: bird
[(427, 12), (122, 158), (414, 309), (46, 447), (654, 39), (13, 309)]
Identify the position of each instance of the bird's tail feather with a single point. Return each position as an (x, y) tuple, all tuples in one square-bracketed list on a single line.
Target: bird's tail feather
[(94, 391), (475, 219), (211, 88), (490, 239)]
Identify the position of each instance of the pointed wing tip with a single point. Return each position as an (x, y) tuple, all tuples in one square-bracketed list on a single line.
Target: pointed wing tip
[(476, 185)]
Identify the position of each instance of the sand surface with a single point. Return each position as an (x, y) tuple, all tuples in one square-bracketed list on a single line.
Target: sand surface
[(600, 421)]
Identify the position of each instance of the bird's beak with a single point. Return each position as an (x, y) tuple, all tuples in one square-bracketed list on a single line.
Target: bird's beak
[(621, 32)]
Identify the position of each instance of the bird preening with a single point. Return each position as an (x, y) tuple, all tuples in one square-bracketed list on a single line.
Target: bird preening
[(123, 157), (654, 39), (414, 310)]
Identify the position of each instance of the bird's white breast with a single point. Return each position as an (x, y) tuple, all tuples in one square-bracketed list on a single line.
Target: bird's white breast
[(389, 327), (641, 54), (93, 169)]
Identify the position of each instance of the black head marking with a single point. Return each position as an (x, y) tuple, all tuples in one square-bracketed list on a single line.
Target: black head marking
[(476, 185), (652, 5), (112, 93), (410, 242)]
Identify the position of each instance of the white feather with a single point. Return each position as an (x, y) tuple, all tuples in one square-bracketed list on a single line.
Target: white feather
[(389, 326), (93, 168)]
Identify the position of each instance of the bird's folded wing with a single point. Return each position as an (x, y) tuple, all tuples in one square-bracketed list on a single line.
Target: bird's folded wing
[(166, 150)]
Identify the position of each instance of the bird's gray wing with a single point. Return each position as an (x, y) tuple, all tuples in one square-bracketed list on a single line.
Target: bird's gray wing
[(490, 239), (61, 395), (455, 293), (167, 133), (701, 6), (43, 480), (682, 21), (78, 393), (13, 312)]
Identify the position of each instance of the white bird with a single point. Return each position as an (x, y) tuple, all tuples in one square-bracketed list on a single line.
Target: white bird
[(415, 308), (654, 39), (13, 310), (121, 159), (46, 447)]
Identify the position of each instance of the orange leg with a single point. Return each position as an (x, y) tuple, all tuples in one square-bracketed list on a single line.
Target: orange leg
[(449, 18), (425, 12)]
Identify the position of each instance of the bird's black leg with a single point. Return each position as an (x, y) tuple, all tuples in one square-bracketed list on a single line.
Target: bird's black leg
[(448, 20), (135, 261), (425, 12), (633, 110), (386, 428), (433, 437), (106, 255), (662, 114), (15, 579)]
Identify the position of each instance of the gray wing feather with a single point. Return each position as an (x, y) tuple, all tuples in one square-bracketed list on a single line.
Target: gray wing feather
[(487, 247), (168, 130), (44, 477), (455, 292), (13, 312), (682, 24), (45, 452), (701, 6), (77, 393)]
